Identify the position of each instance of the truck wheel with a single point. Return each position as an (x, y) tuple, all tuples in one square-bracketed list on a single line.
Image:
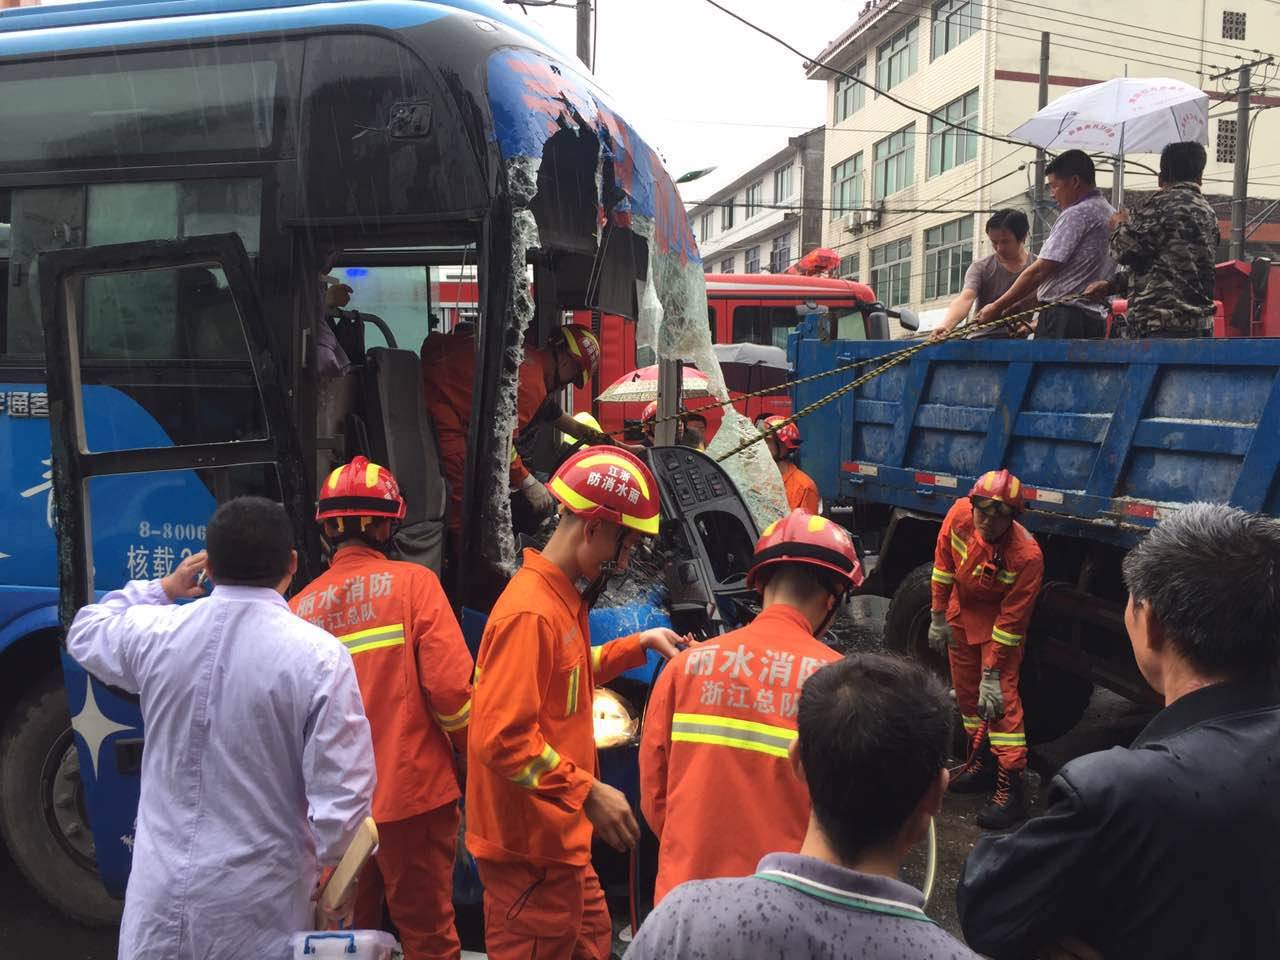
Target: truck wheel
[(906, 625), (42, 809), (1053, 700)]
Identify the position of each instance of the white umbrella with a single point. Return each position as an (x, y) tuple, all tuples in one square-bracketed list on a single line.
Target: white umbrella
[(1124, 115)]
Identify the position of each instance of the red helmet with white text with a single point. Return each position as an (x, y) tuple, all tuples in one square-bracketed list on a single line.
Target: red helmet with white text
[(360, 489), (608, 483), (802, 537), (787, 436)]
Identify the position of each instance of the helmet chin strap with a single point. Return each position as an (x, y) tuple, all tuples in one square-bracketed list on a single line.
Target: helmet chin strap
[(821, 631), (608, 570)]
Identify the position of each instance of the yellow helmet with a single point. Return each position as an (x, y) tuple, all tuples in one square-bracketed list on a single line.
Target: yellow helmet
[(587, 420)]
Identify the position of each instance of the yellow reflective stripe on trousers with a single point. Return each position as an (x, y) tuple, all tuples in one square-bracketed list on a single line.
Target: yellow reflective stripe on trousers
[(374, 639), (1007, 739), (453, 722), (732, 732), (1008, 639), (959, 546), (942, 576), (531, 775)]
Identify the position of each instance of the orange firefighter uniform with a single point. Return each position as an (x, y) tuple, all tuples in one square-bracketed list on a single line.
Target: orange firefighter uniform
[(448, 367), (532, 762), (414, 672), (802, 492), (719, 723), (988, 592)]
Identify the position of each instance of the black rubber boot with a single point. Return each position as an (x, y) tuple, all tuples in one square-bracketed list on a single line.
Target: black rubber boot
[(1008, 804), (980, 777)]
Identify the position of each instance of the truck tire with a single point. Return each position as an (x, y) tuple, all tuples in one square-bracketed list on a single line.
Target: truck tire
[(1053, 700), (42, 807)]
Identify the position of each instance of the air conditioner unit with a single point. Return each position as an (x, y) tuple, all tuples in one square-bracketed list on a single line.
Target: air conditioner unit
[(853, 222), (871, 218)]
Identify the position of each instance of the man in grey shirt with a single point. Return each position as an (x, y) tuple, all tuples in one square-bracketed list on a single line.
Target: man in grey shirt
[(1075, 255), (988, 279), (872, 746)]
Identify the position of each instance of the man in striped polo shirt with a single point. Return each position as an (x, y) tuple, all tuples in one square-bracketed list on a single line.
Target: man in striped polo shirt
[(872, 748), (414, 672)]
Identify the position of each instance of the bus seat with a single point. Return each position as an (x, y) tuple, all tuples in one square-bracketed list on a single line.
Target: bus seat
[(403, 438)]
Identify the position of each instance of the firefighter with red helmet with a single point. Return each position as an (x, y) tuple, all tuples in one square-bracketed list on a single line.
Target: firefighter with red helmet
[(414, 672), (783, 440), (722, 715), (570, 358), (534, 797), (987, 571)]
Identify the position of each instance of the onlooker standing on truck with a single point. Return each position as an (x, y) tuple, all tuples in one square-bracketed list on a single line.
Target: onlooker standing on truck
[(710, 730), (258, 767), (1169, 245), (987, 570), (872, 745), (1168, 848), (1074, 256), (988, 279)]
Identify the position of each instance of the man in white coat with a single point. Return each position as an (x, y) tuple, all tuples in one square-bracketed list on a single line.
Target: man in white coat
[(258, 765)]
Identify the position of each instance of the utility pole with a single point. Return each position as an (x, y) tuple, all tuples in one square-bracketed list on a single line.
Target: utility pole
[(584, 32), (1240, 188), (1037, 217)]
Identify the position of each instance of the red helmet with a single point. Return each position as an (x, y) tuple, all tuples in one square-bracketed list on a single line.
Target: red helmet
[(788, 436), (608, 483), (583, 346), (650, 414), (802, 537), (999, 485), (360, 489)]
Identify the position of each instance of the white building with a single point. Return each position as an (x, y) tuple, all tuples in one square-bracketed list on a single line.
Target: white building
[(905, 192), (767, 218)]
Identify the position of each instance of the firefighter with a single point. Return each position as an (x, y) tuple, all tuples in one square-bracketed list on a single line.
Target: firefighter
[(986, 574), (533, 793), (414, 672), (784, 446), (448, 368), (722, 715)]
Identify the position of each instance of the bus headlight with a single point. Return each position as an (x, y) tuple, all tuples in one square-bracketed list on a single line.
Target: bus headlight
[(614, 720)]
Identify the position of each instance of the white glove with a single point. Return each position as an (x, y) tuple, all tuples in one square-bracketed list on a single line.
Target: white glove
[(940, 635), (990, 699), (539, 496)]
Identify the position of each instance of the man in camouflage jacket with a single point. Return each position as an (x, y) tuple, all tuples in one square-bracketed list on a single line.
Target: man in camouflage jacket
[(1167, 249)]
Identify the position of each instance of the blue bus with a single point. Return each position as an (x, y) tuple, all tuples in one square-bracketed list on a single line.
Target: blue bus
[(177, 177)]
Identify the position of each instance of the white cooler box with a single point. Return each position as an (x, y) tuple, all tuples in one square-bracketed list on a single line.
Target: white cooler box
[(342, 945)]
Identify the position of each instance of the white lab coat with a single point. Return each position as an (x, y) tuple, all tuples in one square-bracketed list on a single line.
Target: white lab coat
[(257, 762)]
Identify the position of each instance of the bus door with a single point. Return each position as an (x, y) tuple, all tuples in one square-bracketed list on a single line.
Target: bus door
[(167, 396)]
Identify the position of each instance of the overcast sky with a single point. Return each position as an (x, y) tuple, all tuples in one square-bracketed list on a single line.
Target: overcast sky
[(703, 89)]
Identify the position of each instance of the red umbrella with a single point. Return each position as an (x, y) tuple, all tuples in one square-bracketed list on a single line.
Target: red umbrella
[(641, 386)]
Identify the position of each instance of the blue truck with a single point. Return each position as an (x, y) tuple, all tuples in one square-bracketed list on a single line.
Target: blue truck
[(1109, 437)]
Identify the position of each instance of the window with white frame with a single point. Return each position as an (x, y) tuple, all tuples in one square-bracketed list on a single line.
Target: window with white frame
[(850, 94), (950, 146), (846, 186), (896, 58), (755, 199), (780, 253), (849, 266), (783, 181), (954, 22), (891, 271), (726, 265), (894, 163), (948, 251), (726, 215), (708, 221), (751, 260)]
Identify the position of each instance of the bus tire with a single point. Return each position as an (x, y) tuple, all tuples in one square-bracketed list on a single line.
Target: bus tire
[(1053, 699), (33, 763)]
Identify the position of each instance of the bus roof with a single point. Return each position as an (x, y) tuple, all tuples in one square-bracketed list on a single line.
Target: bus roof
[(784, 284), (27, 30)]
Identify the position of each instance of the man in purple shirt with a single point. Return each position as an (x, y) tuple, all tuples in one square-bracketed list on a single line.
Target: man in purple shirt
[(1075, 255), (872, 748)]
